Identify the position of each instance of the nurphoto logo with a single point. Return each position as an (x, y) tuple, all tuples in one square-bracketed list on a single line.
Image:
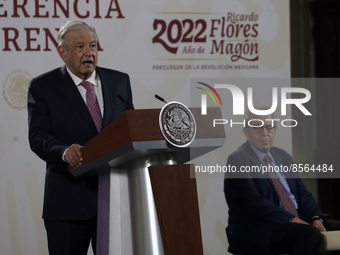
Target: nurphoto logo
[(281, 99)]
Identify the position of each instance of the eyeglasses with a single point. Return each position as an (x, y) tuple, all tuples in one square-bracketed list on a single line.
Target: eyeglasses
[(269, 129)]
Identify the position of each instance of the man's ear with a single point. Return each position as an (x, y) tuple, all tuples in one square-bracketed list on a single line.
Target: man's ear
[(62, 52)]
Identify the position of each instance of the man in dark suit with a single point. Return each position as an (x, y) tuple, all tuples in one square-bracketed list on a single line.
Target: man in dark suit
[(260, 222), (60, 123)]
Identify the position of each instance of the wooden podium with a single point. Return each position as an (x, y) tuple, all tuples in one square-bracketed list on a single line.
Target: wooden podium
[(147, 197)]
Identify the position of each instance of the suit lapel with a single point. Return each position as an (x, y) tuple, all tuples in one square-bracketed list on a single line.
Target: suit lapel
[(253, 155), (109, 94), (72, 95)]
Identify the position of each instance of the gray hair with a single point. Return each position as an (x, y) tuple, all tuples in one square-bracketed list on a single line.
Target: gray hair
[(249, 115), (71, 26)]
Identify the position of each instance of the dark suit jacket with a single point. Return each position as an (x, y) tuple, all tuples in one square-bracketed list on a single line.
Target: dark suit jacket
[(254, 203), (58, 117)]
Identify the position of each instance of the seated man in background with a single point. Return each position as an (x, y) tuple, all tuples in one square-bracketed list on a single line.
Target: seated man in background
[(270, 214)]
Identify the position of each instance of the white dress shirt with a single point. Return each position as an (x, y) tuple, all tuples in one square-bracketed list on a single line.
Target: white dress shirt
[(97, 87)]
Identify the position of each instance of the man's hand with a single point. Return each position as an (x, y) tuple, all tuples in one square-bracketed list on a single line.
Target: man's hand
[(298, 220), (73, 155), (319, 225), (316, 223)]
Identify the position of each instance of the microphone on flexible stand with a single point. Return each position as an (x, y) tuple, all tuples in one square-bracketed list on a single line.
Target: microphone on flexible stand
[(160, 99)]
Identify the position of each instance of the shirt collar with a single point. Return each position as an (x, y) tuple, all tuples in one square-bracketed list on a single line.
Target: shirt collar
[(261, 154), (77, 80)]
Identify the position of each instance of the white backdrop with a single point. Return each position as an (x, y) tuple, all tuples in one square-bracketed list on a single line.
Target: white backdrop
[(201, 39)]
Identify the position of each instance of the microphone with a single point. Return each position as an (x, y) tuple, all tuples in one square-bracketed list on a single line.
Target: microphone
[(160, 99)]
